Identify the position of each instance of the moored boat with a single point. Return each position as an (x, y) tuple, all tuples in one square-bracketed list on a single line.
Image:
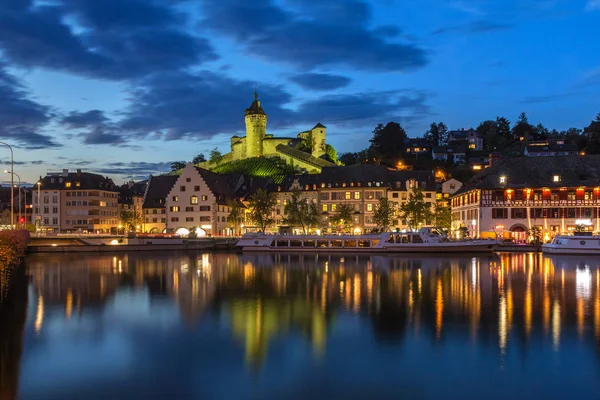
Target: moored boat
[(426, 240), (581, 243)]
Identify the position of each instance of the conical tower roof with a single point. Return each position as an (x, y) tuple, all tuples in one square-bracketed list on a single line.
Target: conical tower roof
[(255, 108)]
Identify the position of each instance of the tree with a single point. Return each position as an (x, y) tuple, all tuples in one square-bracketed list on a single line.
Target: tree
[(388, 141), (349, 158), (199, 159), (236, 215), (177, 165), (300, 212), (523, 130), (343, 216), (384, 213), (536, 235), (437, 135), (443, 216), (463, 232), (541, 132), (129, 219), (215, 155), (503, 128), (331, 154), (262, 205), (491, 139), (416, 211)]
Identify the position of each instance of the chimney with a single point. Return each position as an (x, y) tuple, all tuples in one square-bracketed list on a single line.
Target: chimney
[(65, 173), (78, 172)]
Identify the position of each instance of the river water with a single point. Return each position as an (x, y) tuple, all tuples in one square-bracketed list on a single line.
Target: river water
[(279, 326)]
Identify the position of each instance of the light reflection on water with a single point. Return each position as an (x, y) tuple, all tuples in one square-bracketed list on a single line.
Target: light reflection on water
[(277, 325)]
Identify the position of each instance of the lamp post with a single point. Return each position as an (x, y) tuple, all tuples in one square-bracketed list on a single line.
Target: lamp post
[(19, 187), (12, 185)]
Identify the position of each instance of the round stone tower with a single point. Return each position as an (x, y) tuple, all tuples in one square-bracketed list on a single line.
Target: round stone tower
[(256, 128)]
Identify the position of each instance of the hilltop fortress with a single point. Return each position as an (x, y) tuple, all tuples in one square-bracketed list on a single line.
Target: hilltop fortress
[(258, 143)]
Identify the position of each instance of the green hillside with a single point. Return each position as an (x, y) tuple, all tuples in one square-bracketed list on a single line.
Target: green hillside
[(263, 167)]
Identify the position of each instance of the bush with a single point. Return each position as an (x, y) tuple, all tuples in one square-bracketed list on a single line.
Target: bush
[(13, 245)]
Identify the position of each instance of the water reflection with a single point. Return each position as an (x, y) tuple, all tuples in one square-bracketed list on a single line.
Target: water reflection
[(257, 308)]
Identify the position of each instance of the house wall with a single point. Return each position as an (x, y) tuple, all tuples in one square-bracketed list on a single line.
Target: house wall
[(155, 220), (191, 203)]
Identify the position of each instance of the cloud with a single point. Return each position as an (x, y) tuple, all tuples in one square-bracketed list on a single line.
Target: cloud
[(98, 128), (198, 106), (480, 26), (203, 105), (135, 170), (21, 118), (592, 5), (314, 81), (113, 40), (466, 7), (367, 108), (317, 37), (548, 97)]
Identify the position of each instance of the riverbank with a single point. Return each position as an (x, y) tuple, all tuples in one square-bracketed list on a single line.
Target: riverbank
[(13, 245), (124, 244)]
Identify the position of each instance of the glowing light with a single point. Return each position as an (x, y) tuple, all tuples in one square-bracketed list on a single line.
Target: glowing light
[(200, 232), (39, 315), (583, 283), (586, 222), (502, 324), (114, 242), (357, 231), (182, 232), (556, 324), (54, 245), (439, 308), (503, 179)]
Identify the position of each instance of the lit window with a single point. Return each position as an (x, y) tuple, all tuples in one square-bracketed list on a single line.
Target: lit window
[(347, 195), (503, 179), (194, 200), (556, 178), (369, 207), (175, 198), (333, 207), (356, 195), (77, 184), (68, 184), (324, 207), (175, 208), (204, 198)]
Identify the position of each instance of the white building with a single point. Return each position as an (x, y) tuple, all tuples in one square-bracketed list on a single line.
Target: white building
[(199, 199)]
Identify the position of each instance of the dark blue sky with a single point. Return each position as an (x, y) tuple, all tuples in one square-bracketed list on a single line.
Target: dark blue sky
[(123, 87)]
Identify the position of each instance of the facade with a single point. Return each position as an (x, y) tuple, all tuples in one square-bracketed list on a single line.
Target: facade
[(258, 143), (513, 196), (153, 206), (361, 187), (76, 202), (200, 199), (131, 199), (471, 137), (417, 146), (550, 148)]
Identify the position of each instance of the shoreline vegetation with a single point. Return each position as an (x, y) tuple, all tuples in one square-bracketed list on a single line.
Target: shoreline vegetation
[(13, 245)]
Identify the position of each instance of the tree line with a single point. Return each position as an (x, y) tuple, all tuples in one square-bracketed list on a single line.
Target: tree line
[(388, 142)]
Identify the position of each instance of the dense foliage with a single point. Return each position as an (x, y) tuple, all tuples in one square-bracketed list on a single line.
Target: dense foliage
[(300, 212), (262, 205), (267, 167), (416, 211), (384, 213), (13, 244), (343, 216)]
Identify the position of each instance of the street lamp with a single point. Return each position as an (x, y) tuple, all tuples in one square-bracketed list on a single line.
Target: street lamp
[(17, 175), (39, 213), (12, 184)]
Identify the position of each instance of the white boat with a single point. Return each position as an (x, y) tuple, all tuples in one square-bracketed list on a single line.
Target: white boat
[(426, 240), (580, 243)]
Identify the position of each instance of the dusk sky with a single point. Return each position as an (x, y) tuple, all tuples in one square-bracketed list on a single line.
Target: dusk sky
[(124, 87)]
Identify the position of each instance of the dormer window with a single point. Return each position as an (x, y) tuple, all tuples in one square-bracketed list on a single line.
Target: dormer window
[(67, 184), (556, 178), (502, 180)]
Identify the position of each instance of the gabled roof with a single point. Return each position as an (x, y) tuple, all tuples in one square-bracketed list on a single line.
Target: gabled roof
[(303, 156), (523, 172), (158, 189), (219, 185), (319, 125)]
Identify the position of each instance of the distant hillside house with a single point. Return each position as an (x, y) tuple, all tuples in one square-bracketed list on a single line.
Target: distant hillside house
[(258, 143), (550, 148), (471, 137)]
